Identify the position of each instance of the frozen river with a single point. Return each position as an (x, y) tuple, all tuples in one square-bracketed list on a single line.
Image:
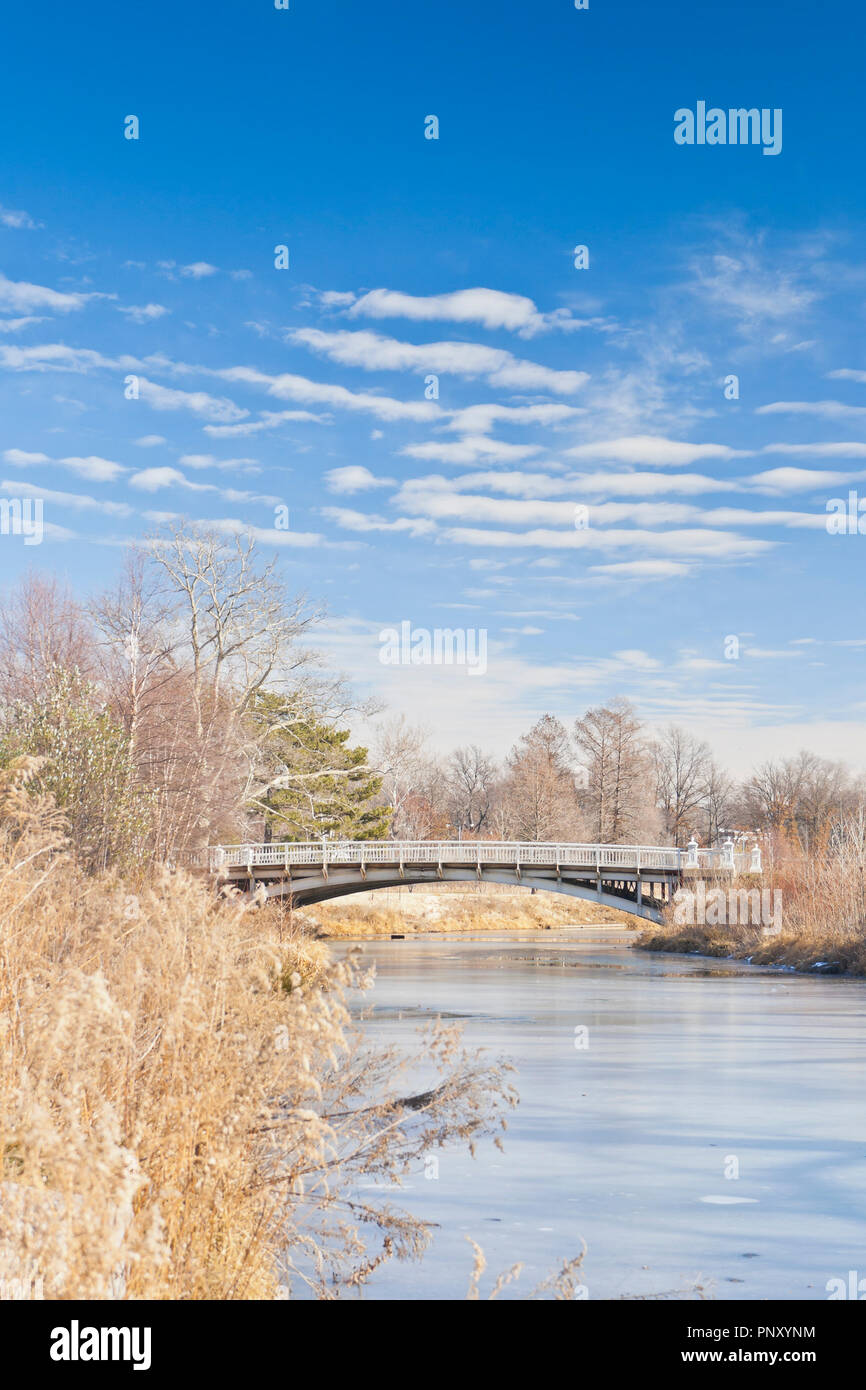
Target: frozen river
[(692, 1071)]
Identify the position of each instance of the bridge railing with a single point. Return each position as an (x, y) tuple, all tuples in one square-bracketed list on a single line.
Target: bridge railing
[(471, 853)]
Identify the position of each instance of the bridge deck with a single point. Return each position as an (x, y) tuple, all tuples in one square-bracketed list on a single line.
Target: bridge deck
[(315, 854)]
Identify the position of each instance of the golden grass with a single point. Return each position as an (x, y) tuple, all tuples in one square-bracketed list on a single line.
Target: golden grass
[(382, 914), (823, 917), (185, 1106)]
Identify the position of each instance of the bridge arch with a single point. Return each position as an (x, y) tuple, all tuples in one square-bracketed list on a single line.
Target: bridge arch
[(316, 888)]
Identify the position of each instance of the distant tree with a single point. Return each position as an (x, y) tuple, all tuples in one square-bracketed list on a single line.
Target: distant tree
[(539, 793), (613, 755), (402, 759), (471, 783), (801, 797), (682, 765), (42, 629), (719, 804)]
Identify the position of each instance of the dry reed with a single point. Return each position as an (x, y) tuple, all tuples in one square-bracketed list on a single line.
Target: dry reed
[(186, 1107)]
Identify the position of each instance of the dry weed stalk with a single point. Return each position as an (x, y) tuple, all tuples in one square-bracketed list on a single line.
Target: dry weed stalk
[(185, 1104)]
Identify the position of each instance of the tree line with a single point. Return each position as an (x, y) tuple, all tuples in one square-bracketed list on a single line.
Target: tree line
[(187, 705), (607, 778)]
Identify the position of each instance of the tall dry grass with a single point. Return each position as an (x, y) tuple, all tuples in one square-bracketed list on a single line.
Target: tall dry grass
[(384, 913), (186, 1108), (822, 895)]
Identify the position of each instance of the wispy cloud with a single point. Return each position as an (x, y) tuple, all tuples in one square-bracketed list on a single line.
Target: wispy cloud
[(19, 296), (493, 309), (372, 352), (353, 478), (10, 217), (98, 469), (143, 313)]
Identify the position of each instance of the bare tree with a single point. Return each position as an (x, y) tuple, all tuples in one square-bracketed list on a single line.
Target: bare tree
[(135, 626), (613, 756), (472, 779), (197, 630), (401, 758), (539, 790), (681, 764), (42, 629), (240, 629), (718, 804), (802, 797)]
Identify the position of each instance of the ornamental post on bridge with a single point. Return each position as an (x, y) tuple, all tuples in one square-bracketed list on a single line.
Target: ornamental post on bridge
[(728, 854), (692, 856), (755, 860)]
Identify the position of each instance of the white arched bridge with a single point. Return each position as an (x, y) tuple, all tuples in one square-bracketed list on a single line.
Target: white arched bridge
[(634, 878)]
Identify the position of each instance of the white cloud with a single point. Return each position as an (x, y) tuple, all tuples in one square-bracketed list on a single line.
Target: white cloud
[(581, 485), (143, 313), (75, 500), (197, 402), (58, 357), (288, 386), (491, 308), (20, 297), (839, 450), (98, 469), (652, 449), (354, 478), (469, 449), (361, 521), (439, 503), (829, 410), (799, 479), (753, 290), (336, 299), (480, 419), (235, 465), (268, 420), (644, 569), (151, 441), (9, 217), (199, 270), (638, 659), (16, 325), (769, 654), (848, 374), (686, 544), (233, 526), (154, 479), (372, 352)]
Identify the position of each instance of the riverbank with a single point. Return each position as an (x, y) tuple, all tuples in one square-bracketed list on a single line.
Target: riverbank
[(834, 951), (187, 1109), (405, 912)]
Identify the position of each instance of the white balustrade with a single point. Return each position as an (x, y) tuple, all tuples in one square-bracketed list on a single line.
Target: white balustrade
[(471, 853)]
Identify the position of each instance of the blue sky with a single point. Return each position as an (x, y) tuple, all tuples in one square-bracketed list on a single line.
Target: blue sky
[(602, 387)]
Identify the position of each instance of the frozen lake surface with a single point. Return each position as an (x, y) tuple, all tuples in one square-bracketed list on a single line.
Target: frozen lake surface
[(624, 1144)]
